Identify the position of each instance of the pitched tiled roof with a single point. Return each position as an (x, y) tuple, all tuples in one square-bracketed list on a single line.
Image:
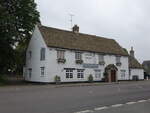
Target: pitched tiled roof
[(79, 41), (133, 63)]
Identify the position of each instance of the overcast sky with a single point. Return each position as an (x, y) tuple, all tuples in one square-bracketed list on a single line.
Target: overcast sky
[(126, 21)]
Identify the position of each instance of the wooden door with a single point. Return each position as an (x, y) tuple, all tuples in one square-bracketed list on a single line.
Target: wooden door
[(113, 76)]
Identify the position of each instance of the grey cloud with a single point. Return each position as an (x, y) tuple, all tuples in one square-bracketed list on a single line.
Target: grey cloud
[(127, 21)]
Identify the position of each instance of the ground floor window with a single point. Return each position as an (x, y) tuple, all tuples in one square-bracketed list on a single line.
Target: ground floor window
[(69, 73), (80, 73), (123, 73), (97, 73), (42, 71), (30, 72)]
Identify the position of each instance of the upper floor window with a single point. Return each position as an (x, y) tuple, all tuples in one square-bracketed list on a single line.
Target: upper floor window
[(78, 56), (89, 54), (30, 54), (118, 59), (42, 54), (101, 58), (42, 71), (60, 54)]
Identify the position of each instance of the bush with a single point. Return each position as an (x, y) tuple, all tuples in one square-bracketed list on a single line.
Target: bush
[(57, 79), (103, 80), (2, 80), (105, 74), (90, 78)]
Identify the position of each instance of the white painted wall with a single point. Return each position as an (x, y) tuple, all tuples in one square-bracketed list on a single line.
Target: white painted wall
[(35, 44), (53, 68), (58, 69), (138, 72)]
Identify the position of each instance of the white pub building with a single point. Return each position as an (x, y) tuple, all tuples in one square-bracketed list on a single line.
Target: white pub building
[(73, 56)]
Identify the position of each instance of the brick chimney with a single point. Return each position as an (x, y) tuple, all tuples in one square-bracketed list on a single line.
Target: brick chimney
[(132, 52), (75, 29)]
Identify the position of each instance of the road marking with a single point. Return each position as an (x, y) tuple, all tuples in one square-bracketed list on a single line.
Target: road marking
[(117, 105), (112, 106), (138, 86), (141, 101), (100, 108), (130, 103), (85, 111)]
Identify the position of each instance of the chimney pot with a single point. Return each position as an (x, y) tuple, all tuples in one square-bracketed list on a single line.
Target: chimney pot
[(75, 29), (132, 52)]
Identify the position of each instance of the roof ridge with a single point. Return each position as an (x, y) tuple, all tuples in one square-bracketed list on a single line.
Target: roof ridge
[(66, 39), (64, 30)]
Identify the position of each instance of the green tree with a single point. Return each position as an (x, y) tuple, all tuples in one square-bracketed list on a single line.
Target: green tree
[(17, 20)]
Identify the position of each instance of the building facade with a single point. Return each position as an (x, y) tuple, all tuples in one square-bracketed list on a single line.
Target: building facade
[(136, 70), (146, 65), (74, 56)]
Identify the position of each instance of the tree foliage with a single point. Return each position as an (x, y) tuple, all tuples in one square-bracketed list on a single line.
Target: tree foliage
[(17, 20)]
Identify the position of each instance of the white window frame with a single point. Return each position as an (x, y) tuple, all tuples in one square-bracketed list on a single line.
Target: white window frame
[(69, 73), (42, 53), (30, 72), (97, 73), (80, 73), (118, 59), (42, 71), (123, 73), (101, 58), (78, 55), (60, 54)]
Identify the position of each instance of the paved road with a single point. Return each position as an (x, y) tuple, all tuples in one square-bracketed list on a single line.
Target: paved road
[(47, 99), (139, 107)]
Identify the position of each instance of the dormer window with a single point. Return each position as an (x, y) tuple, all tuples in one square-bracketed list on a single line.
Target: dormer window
[(42, 52)]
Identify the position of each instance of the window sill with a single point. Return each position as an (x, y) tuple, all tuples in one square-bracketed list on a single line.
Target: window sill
[(101, 63), (61, 60), (119, 64), (79, 61)]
